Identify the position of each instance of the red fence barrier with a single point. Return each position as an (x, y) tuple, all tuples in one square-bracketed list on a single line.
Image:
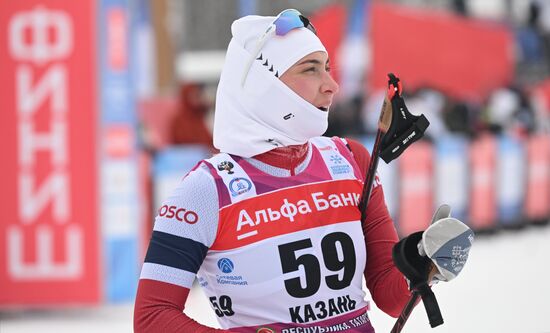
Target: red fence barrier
[(537, 203), (416, 195), (483, 211)]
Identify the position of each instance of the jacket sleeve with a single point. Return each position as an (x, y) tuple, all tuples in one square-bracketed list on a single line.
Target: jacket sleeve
[(385, 282), (185, 228), (159, 308)]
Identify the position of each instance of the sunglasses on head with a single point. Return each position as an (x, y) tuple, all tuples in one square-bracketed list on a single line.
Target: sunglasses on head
[(285, 22)]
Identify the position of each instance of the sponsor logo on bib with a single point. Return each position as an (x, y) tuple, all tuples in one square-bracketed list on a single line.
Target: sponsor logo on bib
[(337, 167), (180, 214), (225, 265), (226, 166), (239, 186)]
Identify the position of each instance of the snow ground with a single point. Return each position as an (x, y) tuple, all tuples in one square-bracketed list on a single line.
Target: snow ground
[(504, 288)]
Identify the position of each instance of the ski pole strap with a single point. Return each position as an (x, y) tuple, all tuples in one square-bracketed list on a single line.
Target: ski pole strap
[(431, 306), (405, 139), (405, 128)]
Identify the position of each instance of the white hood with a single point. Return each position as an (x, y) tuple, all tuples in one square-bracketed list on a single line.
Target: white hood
[(264, 113)]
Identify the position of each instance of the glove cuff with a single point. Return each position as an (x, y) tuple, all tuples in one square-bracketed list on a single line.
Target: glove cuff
[(415, 267)]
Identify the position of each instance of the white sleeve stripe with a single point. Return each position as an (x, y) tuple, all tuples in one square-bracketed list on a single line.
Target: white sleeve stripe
[(167, 274), (177, 229)]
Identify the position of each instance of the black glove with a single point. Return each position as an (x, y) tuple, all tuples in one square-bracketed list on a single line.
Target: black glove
[(415, 267)]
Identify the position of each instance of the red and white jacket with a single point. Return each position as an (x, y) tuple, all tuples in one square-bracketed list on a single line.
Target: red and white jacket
[(273, 253)]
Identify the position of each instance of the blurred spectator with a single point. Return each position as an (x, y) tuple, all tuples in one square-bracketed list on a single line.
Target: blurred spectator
[(544, 26), (461, 117), (525, 117), (509, 111), (500, 109), (533, 55), (188, 124), (459, 6), (371, 111), (530, 37), (540, 101), (430, 103), (345, 118)]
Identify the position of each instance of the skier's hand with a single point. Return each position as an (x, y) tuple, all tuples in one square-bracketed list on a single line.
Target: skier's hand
[(437, 254)]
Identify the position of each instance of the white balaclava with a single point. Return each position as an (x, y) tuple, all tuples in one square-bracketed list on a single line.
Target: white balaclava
[(264, 113)]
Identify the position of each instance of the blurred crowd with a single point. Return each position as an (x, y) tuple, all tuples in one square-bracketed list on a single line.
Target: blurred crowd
[(511, 110), (518, 109)]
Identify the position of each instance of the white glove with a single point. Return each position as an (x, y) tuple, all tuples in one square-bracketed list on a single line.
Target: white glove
[(447, 242)]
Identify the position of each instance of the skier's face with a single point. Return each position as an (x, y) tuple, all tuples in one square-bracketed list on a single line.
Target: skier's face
[(310, 78)]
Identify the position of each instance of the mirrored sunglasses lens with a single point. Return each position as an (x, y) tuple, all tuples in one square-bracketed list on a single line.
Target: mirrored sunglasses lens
[(285, 23)]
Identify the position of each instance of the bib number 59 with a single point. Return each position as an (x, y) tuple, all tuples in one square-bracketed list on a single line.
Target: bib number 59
[(342, 263)]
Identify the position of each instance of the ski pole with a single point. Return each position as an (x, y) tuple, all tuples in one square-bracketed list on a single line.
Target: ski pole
[(405, 313), (384, 123), (397, 130)]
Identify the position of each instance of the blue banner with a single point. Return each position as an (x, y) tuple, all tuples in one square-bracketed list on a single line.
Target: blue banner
[(171, 165), (452, 175), (118, 152)]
